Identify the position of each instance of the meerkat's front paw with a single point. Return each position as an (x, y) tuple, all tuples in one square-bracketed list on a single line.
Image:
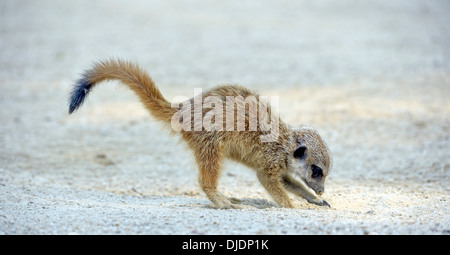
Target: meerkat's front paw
[(320, 202), (325, 203)]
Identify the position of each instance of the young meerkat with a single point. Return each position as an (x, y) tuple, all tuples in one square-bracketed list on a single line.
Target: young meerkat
[(298, 160)]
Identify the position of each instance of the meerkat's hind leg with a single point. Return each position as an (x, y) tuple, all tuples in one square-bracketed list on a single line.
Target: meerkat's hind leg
[(271, 182), (211, 191), (209, 177), (299, 189)]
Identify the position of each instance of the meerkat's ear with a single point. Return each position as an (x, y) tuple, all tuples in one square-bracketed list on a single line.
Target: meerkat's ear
[(300, 152)]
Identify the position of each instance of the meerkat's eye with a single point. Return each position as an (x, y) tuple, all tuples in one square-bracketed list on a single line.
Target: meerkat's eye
[(299, 153), (316, 171)]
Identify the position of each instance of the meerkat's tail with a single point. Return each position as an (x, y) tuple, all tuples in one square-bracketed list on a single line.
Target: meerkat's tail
[(129, 74)]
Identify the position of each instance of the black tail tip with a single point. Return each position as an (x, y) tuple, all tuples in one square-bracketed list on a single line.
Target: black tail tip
[(78, 94)]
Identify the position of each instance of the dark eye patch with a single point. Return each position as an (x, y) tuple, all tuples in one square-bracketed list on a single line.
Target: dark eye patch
[(316, 171), (300, 152)]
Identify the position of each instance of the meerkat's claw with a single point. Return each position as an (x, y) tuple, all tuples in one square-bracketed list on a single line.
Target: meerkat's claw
[(325, 203)]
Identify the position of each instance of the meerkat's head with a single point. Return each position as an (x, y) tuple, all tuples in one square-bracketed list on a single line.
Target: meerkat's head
[(310, 158)]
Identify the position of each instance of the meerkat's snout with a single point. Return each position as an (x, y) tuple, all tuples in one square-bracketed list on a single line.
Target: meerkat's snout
[(317, 180), (314, 178)]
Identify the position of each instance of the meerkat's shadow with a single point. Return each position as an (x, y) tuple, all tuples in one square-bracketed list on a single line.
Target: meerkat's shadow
[(250, 203), (258, 203)]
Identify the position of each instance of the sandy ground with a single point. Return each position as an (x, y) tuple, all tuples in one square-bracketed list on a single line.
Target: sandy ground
[(372, 76)]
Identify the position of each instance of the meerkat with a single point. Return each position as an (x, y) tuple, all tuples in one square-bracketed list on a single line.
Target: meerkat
[(297, 161)]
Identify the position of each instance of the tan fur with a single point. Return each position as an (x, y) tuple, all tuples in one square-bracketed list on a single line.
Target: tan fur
[(277, 169), (138, 81)]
